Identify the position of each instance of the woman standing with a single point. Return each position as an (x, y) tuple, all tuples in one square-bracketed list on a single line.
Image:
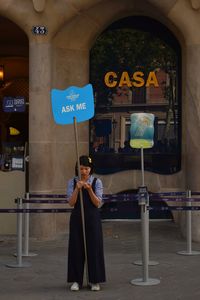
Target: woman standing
[(92, 190)]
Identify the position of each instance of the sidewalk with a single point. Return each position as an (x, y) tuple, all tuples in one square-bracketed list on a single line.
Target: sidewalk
[(46, 278)]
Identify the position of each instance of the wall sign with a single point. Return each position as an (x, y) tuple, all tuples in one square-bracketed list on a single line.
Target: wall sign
[(39, 30), (14, 104)]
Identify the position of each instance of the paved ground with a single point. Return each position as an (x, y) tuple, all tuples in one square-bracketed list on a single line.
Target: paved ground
[(46, 278)]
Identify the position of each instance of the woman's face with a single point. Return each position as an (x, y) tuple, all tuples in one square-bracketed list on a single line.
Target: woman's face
[(85, 171)]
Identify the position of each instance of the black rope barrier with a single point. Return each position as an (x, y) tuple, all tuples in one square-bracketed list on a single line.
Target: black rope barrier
[(105, 196), (163, 194), (56, 199), (179, 208), (46, 201), (112, 198), (195, 193), (62, 199), (48, 196), (62, 210), (35, 210), (179, 199)]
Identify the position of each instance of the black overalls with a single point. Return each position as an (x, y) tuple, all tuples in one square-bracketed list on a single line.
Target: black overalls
[(94, 241)]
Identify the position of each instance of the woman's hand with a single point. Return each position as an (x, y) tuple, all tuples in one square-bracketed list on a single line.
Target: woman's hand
[(80, 184), (87, 186)]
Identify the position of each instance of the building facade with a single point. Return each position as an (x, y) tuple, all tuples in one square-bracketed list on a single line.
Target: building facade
[(61, 58)]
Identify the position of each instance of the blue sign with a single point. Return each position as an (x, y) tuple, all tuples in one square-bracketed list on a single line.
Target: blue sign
[(72, 102), (11, 104), (142, 130)]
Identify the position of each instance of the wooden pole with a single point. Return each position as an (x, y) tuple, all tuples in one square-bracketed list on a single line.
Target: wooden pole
[(81, 199)]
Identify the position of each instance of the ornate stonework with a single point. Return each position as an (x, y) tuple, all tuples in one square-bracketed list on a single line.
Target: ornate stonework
[(195, 4), (39, 5)]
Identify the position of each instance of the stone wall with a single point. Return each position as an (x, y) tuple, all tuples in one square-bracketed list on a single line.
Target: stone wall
[(61, 58)]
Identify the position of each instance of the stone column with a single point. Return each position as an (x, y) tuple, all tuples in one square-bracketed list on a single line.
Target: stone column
[(192, 128), (40, 134)]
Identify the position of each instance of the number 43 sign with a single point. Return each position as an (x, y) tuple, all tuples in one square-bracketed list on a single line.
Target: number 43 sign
[(39, 30)]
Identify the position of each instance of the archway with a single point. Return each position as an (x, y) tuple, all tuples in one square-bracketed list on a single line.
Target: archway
[(14, 103)]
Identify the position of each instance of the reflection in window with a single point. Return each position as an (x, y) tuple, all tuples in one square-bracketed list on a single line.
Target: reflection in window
[(135, 67)]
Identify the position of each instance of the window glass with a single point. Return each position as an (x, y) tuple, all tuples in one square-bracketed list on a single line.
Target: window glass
[(135, 66), (14, 124)]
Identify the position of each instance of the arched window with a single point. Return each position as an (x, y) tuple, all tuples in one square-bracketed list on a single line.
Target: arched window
[(135, 66)]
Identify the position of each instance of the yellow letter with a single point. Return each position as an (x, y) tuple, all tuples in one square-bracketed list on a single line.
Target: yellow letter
[(125, 80), (109, 79), (152, 80), (138, 80)]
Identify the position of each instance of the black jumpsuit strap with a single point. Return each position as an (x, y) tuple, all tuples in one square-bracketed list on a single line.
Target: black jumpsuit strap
[(74, 183), (94, 183)]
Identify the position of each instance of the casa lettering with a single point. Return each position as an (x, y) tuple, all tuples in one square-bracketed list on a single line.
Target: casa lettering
[(137, 79)]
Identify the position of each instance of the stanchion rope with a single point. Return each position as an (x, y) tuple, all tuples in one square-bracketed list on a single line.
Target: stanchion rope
[(43, 201), (62, 210), (117, 198), (35, 195), (35, 210)]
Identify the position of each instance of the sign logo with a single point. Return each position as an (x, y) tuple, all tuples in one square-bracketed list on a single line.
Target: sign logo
[(142, 130), (72, 102), (11, 104)]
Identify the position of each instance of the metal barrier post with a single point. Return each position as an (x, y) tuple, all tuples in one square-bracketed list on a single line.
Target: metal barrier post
[(19, 263), (144, 202), (26, 230), (189, 229), (150, 262)]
